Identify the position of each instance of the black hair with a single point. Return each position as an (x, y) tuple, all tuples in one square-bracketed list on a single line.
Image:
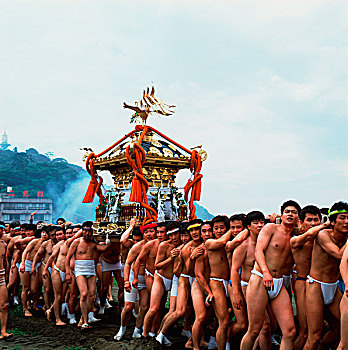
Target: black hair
[(208, 222), (221, 218), (290, 203), (61, 219), (87, 224), (137, 232), (239, 217), (24, 226), (173, 225), (60, 228), (39, 222), (31, 227), (183, 227), (254, 215), (14, 224), (2, 223), (309, 209), (37, 233), (162, 224), (337, 206), (52, 228), (195, 221)]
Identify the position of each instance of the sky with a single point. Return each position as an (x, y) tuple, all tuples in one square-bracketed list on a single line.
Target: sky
[(262, 85)]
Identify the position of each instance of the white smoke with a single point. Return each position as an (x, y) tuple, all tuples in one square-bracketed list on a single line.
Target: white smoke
[(69, 203)]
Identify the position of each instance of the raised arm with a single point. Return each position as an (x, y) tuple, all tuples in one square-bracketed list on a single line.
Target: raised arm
[(240, 238), (237, 261), (324, 240), (215, 244), (161, 260), (125, 240), (262, 243), (300, 240), (344, 269), (78, 234), (21, 242)]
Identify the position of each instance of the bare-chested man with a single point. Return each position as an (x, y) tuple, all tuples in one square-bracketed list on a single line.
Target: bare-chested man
[(30, 281), (43, 254), (244, 259), (301, 248), (13, 256), (321, 289), (72, 286), (111, 265), (148, 256), (162, 283), (344, 302), (131, 293), (3, 289), (57, 260), (200, 291), (265, 286), (185, 279), (219, 275), (185, 237), (83, 248)]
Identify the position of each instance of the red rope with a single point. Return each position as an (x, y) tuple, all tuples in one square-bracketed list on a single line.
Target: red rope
[(194, 185), (139, 188)]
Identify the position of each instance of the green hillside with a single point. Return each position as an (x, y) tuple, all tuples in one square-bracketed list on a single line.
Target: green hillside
[(33, 172)]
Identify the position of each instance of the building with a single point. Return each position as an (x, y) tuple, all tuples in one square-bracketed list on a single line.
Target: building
[(4, 145), (18, 208)]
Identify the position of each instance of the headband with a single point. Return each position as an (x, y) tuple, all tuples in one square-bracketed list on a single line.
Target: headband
[(145, 227), (17, 228), (173, 231), (343, 211), (193, 226), (2, 226)]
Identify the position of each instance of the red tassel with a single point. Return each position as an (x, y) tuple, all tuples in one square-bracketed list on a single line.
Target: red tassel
[(89, 196)]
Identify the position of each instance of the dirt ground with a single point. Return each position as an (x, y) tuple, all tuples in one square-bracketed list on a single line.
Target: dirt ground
[(37, 333)]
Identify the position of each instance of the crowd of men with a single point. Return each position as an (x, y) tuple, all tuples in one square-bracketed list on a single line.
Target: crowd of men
[(243, 277)]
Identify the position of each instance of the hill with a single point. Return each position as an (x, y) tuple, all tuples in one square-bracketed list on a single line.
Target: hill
[(31, 171)]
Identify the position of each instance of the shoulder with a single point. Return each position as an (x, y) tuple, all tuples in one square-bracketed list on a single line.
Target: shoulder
[(324, 235), (164, 245), (137, 247), (270, 227)]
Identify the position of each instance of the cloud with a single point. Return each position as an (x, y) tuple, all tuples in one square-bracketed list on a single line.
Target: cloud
[(261, 84)]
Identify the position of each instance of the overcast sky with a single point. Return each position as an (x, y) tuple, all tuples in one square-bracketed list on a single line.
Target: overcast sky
[(262, 85)]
